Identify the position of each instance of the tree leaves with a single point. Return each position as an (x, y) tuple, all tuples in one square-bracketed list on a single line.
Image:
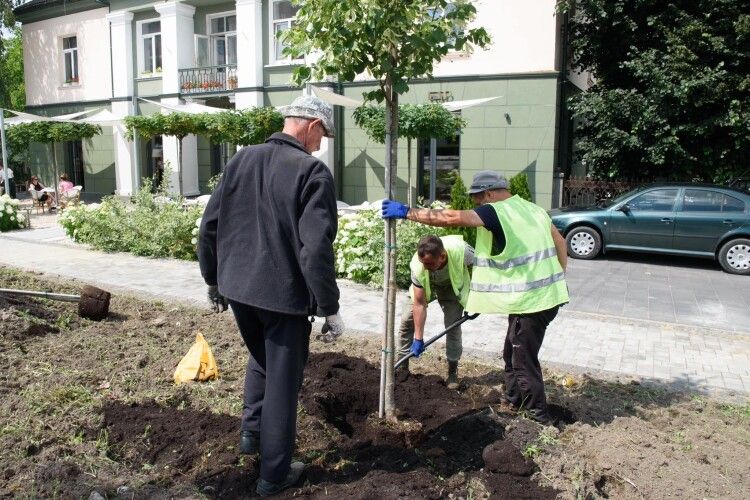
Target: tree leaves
[(416, 121), (673, 87)]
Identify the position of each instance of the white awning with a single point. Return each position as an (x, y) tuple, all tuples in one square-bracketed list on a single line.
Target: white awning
[(459, 105), (103, 118), (22, 117), (192, 108), (335, 99)]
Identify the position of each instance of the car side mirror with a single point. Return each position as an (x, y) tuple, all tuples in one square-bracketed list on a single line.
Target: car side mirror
[(624, 208)]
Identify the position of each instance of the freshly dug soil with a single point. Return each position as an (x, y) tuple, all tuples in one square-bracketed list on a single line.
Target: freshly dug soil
[(92, 407)]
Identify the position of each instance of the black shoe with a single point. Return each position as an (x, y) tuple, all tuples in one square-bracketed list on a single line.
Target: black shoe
[(543, 418), (266, 488), (249, 443)]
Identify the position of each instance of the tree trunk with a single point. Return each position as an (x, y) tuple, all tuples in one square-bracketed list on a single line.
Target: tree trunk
[(54, 160), (387, 388), (408, 171), (179, 163)]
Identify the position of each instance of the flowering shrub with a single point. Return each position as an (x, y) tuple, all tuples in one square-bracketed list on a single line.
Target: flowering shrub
[(360, 242), (9, 217), (153, 225)]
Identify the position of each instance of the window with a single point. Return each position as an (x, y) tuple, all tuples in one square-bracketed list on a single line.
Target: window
[(659, 200), (701, 200), (283, 19), (437, 13), (447, 166), (150, 46), (70, 57), (223, 39), (732, 204)]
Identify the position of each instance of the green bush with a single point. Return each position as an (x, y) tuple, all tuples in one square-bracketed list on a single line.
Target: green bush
[(519, 184), (152, 225), (360, 242), (460, 200), (9, 217)]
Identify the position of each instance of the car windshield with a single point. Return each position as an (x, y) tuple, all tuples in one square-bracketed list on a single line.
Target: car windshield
[(605, 203)]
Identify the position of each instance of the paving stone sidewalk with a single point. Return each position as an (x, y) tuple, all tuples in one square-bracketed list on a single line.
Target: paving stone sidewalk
[(690, 357)]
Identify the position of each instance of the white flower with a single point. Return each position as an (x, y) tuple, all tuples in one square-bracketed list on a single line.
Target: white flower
[(195, 231), (198, 222), (9, 210), (194, 241)]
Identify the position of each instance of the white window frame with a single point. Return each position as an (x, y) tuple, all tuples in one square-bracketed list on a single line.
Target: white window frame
[(74, 66), (272, 40), (143, 72), (211, 36)]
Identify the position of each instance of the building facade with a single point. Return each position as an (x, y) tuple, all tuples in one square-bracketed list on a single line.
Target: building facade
[(89, 54)]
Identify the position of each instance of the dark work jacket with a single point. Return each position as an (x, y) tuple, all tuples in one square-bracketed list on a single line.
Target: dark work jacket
[(266, 238)]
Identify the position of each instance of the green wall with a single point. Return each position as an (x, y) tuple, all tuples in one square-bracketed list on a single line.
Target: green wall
[(522, 141)]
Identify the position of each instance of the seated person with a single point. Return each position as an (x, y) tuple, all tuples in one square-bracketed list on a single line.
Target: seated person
[(45, 197), (65, 184)]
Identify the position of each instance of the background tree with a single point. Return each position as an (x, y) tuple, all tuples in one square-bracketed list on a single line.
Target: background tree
[(393, 42), (672, 92), (244, 127), (12, 88), (415, 121), (7, 20)]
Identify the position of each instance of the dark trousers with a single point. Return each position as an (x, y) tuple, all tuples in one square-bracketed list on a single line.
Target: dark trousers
[(524, 384), (279, 345)]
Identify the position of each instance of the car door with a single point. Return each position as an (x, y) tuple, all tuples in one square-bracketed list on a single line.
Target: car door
[(645, 221), (703, 217)]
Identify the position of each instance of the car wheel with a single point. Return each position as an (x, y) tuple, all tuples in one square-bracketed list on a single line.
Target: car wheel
[(583, 243), (734, 256)]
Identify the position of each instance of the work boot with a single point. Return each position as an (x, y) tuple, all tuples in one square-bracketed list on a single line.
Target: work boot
[(249, 443), (267, 488), (452, 381)]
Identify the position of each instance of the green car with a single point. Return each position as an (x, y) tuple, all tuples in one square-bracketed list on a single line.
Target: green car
[(689, 219)]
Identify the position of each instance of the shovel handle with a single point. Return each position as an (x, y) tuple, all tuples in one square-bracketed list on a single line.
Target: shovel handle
[(45, 295), (464, 318)]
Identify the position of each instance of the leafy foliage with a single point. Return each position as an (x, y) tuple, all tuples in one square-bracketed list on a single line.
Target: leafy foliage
[(416, 121), (12, 88), (9, 217), (20, 135), (7, 19), (672, 97), (153, 225), (393, 41), (242, 127), (519, 185), (460, 200), (359, 247)]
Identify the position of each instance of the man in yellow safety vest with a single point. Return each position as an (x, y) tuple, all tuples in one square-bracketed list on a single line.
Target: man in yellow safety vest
[(519, 270), (439, 270)]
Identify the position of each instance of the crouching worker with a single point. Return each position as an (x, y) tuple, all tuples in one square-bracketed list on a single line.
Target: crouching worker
[(439, 270)]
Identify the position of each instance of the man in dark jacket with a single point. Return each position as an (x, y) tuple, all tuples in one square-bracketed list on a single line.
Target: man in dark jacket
[(266, 249)]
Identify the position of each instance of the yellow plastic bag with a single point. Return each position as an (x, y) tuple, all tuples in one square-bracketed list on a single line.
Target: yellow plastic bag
[(198, 364)]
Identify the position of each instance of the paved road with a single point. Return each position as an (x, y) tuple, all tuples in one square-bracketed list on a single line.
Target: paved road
[(709, 351)]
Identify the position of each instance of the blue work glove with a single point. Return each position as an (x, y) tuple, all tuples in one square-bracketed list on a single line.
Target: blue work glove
[(394, 210), (417, 347)]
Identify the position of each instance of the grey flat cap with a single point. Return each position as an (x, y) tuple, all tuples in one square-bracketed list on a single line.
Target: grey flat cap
[(487, 179), (312, 108)]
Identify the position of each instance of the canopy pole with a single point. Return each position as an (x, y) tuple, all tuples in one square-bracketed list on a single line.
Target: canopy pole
[(6, 179)]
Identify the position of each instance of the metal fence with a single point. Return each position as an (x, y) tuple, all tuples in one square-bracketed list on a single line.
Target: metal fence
[(581, 192), (208, 79)]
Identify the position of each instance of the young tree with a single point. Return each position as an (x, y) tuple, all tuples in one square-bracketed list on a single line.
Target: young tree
[(393, 43), (672, 92), (12, 88), (415, 121)]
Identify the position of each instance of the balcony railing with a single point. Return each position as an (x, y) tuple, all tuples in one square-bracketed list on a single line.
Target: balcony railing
[(208, 79)]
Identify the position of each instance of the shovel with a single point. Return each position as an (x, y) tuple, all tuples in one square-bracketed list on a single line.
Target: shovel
[(93, 303), (463, 319)]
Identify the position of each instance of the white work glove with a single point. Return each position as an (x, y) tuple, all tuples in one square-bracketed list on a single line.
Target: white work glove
[(332, 329)]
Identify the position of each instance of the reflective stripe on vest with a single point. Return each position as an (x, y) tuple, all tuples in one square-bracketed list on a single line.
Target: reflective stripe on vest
[(517, 287), (516, 261)]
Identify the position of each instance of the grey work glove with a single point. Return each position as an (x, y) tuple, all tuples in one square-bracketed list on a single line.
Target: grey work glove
[(332, 329), (218, 301)]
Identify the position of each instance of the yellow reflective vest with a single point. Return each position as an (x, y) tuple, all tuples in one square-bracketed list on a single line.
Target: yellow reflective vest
[(526, 276)]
